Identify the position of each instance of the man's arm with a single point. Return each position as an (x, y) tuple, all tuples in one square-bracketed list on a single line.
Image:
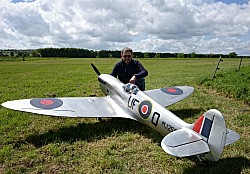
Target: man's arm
[(142, 71)]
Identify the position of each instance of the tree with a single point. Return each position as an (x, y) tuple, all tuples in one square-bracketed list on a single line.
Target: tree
[(180, 55), (232, 55), (157, 55), (146, 55), (110, 55), (11, 53), (193, 55), (35, 53)]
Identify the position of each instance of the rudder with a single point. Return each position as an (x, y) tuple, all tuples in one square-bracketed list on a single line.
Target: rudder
[(212, 127)]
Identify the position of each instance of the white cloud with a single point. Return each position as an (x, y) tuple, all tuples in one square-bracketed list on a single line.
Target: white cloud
[(200, 26)]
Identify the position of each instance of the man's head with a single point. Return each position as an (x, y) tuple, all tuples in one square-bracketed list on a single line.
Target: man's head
[(126, 54)]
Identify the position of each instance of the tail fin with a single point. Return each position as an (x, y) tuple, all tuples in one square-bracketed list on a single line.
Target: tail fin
[(212, 128), (206, 139)]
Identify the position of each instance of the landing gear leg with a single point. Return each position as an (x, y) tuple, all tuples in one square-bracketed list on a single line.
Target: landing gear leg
[(202, 161)]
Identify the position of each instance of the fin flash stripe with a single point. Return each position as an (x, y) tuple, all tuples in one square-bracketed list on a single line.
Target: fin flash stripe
[(203, 126)]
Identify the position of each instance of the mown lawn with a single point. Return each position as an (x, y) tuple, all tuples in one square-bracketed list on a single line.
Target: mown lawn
[(31, 143)]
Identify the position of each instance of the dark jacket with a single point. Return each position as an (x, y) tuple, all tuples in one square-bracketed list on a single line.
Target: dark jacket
[(125, 72)]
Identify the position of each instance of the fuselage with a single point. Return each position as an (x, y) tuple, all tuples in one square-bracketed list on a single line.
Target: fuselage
[(140, 106)]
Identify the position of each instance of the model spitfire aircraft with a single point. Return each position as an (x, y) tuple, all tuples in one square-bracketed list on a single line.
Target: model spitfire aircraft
[(205, 138)]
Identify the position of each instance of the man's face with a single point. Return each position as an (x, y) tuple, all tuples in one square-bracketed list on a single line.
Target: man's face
[(126, 57)]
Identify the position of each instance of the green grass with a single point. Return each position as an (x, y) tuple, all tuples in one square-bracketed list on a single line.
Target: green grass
[(31, 143), (233, 83)]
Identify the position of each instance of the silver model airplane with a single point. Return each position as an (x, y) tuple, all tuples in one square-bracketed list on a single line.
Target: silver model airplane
[(205, 138)]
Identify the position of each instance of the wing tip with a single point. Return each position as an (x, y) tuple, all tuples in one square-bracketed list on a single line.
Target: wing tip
[(6, 104)]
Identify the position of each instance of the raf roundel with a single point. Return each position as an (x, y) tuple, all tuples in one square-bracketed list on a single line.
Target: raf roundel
[(145, 108), (46, 103), (172, 91)]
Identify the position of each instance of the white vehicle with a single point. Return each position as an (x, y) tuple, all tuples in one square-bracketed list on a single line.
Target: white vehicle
[(206, 138)]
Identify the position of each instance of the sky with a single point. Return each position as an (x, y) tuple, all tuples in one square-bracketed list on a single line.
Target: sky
[(175, 26)]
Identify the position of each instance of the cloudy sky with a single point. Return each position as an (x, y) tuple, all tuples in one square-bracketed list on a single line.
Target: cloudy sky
[(200, 26)]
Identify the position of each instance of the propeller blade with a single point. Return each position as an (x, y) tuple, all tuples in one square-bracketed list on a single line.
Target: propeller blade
[(96, 70)]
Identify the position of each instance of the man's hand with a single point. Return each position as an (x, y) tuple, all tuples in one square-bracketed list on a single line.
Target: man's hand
[(132, 80)]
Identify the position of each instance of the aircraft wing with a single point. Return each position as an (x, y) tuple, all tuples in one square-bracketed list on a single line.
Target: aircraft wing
[(168, 96), (184, 142), (69, 107)]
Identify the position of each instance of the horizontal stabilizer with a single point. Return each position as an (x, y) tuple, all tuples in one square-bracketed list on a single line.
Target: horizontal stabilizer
[(184, 142), (232, 136)]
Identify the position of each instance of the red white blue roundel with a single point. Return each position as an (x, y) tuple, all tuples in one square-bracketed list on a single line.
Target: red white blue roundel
[(172, 91), (46, 103), (145, 108)]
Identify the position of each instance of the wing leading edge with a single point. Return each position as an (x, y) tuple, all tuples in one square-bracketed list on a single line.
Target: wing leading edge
[(70, 107), (168, 96)]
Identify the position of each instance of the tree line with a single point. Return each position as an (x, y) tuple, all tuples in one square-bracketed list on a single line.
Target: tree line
[(86, 53)]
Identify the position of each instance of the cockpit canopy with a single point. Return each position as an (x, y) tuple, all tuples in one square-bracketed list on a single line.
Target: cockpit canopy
[(131, 88)]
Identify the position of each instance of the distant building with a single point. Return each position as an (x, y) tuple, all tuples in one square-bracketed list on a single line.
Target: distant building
[(8, 52), (14, 52)]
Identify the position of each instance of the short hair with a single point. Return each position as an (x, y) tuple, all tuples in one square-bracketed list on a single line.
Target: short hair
[(126, 49)]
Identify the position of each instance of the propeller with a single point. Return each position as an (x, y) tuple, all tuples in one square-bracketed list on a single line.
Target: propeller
[(96, 70)]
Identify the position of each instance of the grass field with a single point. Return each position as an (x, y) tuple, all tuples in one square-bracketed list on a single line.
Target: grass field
[(31, 143)]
